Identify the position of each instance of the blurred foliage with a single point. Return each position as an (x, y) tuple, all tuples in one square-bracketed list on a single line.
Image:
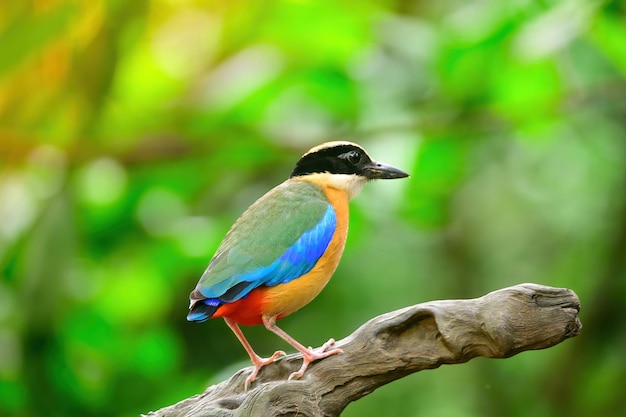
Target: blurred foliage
[(132, 134)]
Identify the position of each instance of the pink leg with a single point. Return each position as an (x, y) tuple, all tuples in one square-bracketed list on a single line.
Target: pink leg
[(309, 355), (258, 361)]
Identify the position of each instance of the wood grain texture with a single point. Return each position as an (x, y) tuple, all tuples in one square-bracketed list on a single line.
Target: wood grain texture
[(424, 336)]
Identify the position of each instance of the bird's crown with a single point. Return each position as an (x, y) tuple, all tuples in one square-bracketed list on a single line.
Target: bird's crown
[(338, 157)]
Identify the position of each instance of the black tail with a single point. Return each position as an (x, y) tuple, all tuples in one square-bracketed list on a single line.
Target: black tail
[(201, 311)]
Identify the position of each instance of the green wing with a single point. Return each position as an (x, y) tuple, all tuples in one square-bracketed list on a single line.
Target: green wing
[(278, 239)]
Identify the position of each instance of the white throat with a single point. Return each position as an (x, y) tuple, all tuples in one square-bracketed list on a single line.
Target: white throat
[(351, 184)]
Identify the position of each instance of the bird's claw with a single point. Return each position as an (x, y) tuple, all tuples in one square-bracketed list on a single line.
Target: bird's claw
[(260, 363), (275, 356), (312, 355), (328, 344)]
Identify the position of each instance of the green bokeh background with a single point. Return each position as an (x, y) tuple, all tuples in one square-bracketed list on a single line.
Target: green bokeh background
[(132, 135)]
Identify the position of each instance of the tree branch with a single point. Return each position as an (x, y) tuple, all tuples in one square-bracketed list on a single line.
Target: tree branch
[(424, 336)]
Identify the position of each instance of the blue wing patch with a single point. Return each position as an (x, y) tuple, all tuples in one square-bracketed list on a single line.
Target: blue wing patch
[(296, 261)]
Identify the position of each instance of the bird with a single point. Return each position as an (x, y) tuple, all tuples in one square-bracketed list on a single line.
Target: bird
[(282, 251)]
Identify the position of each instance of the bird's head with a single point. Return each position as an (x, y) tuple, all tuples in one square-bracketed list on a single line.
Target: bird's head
[(343, 165)]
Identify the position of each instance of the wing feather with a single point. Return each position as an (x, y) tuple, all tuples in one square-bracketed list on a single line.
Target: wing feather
[(278, 239)]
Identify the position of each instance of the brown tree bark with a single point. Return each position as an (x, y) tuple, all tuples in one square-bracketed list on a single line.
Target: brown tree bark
[(424, 336)]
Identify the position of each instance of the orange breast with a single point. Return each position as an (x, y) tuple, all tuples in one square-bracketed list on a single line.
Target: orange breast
[(283, 299)]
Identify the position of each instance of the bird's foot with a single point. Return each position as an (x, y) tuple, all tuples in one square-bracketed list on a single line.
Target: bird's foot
[(259, 363), (312, 355)]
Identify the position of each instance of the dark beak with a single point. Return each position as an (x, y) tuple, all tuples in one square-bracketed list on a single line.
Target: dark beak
[(379, 171)]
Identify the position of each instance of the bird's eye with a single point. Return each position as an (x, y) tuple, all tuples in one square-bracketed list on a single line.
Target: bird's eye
[(353, 157)]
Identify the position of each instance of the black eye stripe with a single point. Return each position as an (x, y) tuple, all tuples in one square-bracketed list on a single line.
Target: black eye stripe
[(342, 159), (353, 156)]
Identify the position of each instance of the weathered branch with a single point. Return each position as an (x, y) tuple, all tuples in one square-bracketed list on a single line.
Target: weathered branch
[(424, 336)]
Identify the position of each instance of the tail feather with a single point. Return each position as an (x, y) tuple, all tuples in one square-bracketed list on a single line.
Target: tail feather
[(202, 310)]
